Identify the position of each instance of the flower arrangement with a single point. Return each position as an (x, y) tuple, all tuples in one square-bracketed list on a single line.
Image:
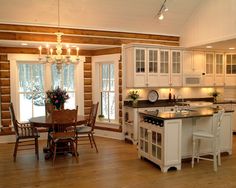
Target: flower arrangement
[(134, 95), (57, 97)]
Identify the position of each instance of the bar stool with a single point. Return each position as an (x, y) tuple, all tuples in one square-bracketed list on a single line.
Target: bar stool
[(213, 137)]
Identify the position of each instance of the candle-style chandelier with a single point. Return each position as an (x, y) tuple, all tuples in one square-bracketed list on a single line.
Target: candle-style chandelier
[(58, 58)]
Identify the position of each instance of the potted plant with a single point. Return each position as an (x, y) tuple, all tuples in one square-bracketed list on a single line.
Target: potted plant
[(101, 116), (215, 94), (134, 95)]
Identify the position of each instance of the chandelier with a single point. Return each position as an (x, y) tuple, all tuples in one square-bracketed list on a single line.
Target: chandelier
[(59, 59)]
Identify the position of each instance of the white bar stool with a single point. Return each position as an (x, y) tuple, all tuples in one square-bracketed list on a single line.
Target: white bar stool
[(213, 137)]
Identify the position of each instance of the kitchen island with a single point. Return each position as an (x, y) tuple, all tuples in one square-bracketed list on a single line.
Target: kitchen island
[(165, 138)]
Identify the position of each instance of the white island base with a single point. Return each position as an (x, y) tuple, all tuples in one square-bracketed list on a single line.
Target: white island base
[(166, 146)]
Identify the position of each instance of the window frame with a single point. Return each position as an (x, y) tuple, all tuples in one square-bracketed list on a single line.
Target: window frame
[(16, 58), (97, 60)]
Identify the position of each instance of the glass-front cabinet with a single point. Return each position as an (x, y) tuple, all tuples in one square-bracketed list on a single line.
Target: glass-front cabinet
[(230, 77), (150, 66), (209, 69), (219, 70)]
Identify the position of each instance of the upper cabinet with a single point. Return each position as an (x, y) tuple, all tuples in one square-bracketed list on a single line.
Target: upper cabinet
[(151, 66), (208, 78), (219, 79), (230, 73)]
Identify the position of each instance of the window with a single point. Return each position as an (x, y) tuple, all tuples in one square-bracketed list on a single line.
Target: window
[(31, 90), (107, 91), (66, 81)]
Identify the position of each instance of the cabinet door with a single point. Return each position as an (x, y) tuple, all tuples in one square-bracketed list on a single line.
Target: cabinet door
[(230, 77), (209, 67), (152, 67), (156, 145), (164, 76), (140, 79), (187, 62), (176, 68), (219, 69)]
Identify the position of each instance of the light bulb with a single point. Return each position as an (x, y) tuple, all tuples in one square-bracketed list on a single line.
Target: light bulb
[(161, 17)]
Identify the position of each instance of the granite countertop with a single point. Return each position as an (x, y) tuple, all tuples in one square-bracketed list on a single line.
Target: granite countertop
[(163, 102), (225, 102), (191, 113)]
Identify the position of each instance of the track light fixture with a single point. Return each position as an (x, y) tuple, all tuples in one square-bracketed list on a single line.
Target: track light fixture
[(162, 10)]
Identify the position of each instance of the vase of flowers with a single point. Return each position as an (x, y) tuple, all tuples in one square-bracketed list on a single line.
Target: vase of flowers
[(134, 95), (57, 97)]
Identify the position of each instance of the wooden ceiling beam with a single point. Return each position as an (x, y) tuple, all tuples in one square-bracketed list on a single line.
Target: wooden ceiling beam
[(87, 32), (77, 39)]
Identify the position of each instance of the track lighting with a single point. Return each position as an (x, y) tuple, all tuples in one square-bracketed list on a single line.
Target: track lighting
[(162, 10)]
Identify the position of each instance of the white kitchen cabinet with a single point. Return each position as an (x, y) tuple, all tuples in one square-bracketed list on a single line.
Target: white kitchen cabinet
[(161, 145), (141, 67), (230, 72), (219, 76), (208, 79), (152, 66), (131, 124), (176, 68), (193, 62)]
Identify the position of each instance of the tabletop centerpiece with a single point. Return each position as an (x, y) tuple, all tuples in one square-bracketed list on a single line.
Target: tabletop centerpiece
[(57, 97)]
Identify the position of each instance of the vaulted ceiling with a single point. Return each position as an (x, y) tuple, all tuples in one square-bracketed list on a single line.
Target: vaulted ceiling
[(137, 16)]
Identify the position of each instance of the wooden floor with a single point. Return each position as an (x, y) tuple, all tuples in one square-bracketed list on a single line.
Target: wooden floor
[(116, 165)]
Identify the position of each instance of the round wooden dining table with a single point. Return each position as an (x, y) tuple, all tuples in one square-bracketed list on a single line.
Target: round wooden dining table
[(46, 121)]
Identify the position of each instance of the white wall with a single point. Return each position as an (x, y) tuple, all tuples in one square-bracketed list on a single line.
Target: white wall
[(212, 21)]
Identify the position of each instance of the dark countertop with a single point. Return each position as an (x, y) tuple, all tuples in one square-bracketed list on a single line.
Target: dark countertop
[(226, 102), (163, 102), (191, 113)]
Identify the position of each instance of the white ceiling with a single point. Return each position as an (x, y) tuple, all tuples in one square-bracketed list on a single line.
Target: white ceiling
[(114, 15)]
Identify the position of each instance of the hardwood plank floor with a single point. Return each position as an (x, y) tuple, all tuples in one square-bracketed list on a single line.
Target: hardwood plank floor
[(116, 165)]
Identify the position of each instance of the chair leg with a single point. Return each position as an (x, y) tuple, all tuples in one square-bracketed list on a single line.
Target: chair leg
[(90, 141), (94, 142), (54, 153), (15, 149), (198, 149), (36, 148), (193, 152), (75, 150), (214, 156)]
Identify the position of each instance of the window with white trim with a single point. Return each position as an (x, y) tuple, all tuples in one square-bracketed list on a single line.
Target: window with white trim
[(32, 84), (107, 86)]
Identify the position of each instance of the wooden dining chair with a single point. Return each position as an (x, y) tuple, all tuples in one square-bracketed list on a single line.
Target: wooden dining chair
[(63, 136), (88, 128), (25, 132)]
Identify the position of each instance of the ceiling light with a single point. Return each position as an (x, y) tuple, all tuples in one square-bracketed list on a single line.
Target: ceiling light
[(208, 46), (58, 58), (161, 17), (231, 48), (162, 10), (24, 44)]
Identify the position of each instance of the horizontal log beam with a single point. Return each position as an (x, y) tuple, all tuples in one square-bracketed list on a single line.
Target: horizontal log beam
[(86, 32)]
